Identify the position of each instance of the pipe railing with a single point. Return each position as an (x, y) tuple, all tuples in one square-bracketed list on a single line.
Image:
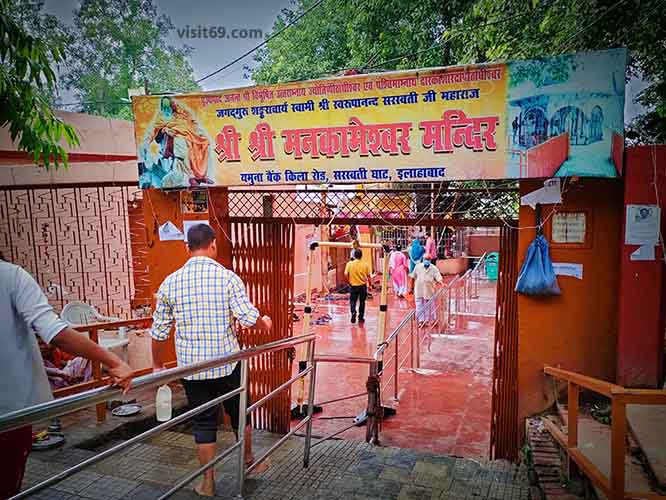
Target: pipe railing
[(388, 354), (372, 409), (613, 486), (417, 327), (74, 402), (98, 378), (413, 334), (379, 378)]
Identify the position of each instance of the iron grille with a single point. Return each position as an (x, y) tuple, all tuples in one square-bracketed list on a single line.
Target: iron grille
[(441, 206)]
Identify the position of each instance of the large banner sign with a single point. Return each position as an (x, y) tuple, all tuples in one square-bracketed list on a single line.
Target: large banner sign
[(558, 116)]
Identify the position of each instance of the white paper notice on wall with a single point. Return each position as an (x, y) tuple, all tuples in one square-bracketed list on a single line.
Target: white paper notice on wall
[(170, 232), (550, 193), (643, 252), (568, 269), (642, 225), (187, 224)]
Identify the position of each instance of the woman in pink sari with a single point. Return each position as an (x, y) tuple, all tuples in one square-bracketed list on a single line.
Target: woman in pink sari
[(398, 266)]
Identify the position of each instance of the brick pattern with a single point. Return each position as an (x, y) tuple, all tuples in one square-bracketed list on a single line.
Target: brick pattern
[(347, 469), (548, 462)]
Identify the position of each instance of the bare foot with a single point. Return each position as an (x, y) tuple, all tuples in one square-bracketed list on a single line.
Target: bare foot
[(262, 467), (203, 491)]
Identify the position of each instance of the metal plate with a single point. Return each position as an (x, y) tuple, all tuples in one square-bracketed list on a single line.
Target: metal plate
[(52, 441), (126, 410)]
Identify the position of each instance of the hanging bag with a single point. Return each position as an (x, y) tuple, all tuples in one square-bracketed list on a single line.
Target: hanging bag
[(537, 276)]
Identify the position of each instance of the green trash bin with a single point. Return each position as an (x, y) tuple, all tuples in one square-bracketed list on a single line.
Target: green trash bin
[(492, 265)]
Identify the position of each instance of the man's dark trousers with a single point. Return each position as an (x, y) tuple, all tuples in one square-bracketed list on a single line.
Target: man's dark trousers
[(358, 294)]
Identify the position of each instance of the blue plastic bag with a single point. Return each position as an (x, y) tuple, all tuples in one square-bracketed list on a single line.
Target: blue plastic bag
[(537, 276)]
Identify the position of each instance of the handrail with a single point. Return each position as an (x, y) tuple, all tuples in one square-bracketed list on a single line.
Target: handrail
[(593, 384), (334, 358), (468, 283), (36, 413), (126, 444), (67, 404), (378, 362), (613, 486), (481, 260), (382, 347)]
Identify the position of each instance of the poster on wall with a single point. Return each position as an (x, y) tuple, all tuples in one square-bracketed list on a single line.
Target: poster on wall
[(549, 117)]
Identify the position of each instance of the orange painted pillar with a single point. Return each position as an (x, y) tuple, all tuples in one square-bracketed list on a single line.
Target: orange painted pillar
[(164, 257)]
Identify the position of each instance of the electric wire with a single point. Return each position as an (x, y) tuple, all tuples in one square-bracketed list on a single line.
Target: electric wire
[(653, 155), (272, 37), (566, 45)]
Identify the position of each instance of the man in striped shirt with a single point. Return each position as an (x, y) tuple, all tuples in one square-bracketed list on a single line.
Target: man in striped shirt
[(202, 298)]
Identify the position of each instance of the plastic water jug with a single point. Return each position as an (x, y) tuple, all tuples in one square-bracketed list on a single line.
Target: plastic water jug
[(163, 404)]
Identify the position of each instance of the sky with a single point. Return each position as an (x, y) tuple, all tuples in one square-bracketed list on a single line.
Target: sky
[(209, 53), (227, 15)]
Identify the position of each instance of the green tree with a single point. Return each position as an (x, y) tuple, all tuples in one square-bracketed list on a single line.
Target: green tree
[(119, 45), (27, 83), (399, 34), (46, 28), (361, 34), (528, 29)]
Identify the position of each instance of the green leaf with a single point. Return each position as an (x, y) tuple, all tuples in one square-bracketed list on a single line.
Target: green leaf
[(27, 81)]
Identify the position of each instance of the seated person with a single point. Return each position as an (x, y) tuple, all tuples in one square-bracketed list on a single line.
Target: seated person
[(62, 369)]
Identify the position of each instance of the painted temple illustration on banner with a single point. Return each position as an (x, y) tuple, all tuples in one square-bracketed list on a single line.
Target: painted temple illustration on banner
[(565, 118)]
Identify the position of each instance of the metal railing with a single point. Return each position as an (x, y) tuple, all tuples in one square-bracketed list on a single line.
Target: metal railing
[(613, 486), (74, 402), (385, 364), (371, 431), (467, 289), (98, 378), (416, 329)]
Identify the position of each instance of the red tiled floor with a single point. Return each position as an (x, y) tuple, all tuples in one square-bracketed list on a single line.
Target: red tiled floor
[(442, 409)]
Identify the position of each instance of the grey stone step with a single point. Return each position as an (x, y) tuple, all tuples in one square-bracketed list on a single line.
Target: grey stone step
[(338, 469)]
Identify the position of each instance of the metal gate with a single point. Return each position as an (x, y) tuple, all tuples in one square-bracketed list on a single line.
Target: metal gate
[(489, 206), (504, 431), (263, 257)]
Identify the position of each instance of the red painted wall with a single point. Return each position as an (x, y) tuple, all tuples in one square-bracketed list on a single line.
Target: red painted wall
[(641, 292), (481, 243)]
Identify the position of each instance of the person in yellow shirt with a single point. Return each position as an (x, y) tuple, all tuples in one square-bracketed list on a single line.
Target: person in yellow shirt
[(358, 275)]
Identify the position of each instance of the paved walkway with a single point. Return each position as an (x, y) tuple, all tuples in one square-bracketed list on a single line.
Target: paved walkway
[(444, 408), (338, 470), (443, 414)]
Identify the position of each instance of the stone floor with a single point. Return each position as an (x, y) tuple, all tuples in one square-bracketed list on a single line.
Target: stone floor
[(444, 409), (646, 423), (338, 469)]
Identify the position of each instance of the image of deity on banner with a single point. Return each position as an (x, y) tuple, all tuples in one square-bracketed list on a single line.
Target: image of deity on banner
[(176, 151), (565, 115)]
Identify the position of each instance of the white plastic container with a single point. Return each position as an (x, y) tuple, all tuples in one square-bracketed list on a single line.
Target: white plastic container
[(163, 404)]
